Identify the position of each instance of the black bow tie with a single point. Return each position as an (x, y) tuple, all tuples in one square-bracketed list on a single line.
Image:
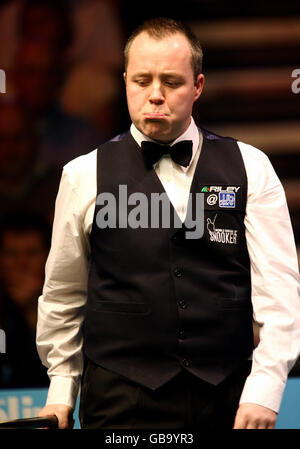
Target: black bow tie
[(181, 152)]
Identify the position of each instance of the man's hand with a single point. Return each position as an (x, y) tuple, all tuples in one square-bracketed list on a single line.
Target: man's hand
[(63, 413), (254, 416)]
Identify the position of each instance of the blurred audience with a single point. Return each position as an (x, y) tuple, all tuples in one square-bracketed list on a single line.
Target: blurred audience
[(38, 74), (24, 246), (9, 32), (93, 86), (63, 61), (43, 34), (25, 181), (47, 21)]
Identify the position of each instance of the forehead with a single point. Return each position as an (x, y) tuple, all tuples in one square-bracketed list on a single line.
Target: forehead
[(169, 52)]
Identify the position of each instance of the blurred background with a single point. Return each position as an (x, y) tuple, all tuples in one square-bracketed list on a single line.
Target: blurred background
[(64, 96)]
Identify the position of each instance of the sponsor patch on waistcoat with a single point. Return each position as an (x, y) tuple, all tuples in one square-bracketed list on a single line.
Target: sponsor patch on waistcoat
[(220, 235), (222, 196)]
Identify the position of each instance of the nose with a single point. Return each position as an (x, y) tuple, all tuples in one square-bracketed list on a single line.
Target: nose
[(156, 94)]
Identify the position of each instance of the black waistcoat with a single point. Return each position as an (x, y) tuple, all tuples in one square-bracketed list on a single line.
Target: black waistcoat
[(159, 302)]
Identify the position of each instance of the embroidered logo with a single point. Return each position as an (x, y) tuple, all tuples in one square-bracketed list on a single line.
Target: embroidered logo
[(212, 199), (219, 235), (227, 199)]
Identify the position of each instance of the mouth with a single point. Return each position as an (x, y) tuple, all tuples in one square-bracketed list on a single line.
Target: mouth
[(155, 115)]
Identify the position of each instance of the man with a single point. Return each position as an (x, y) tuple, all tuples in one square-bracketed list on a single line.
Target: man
[(167, 336)]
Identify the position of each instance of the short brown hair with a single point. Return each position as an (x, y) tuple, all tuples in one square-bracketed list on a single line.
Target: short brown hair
[(161, 27)]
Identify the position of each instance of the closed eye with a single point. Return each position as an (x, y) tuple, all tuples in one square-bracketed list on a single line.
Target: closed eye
[(173, 81), (172, 84), (141, 81)]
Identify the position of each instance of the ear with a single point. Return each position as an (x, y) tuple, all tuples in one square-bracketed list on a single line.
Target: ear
[(199, 85), (124, 77)]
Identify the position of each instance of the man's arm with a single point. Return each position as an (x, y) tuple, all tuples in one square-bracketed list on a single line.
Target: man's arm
[(275, 292), (61, 305)]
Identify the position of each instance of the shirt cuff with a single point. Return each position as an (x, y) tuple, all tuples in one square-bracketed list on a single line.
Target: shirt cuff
[(263, 390), (63, 390)]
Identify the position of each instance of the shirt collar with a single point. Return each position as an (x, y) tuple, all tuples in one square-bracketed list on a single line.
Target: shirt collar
[(192, 133)]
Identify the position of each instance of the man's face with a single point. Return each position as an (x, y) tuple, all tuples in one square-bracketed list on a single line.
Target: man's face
[(160, 86)]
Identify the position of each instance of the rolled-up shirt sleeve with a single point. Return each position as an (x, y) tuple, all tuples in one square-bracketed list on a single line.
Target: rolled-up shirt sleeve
[(275, 282), (61, 305)]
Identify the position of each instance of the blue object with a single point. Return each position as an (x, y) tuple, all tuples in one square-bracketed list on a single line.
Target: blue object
[(26, 403)]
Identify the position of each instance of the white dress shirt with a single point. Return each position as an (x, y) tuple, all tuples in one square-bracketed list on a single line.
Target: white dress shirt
[(271, 247)]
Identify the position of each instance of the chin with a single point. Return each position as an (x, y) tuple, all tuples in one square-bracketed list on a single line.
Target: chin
[(158, 134)]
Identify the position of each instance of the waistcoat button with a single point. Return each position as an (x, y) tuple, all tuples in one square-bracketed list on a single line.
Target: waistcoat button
[(178, 272), (181, 334), (186, 363), (182, 304)]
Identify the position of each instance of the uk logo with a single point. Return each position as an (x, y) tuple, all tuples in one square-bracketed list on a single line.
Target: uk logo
[(227, 199)]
